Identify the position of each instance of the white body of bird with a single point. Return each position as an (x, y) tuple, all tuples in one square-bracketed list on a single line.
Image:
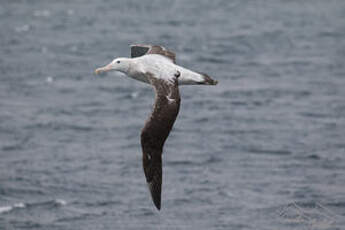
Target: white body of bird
[(162, 68), (159, 66)]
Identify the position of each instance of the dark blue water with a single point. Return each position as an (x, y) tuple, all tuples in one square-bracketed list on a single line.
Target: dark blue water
[(264, 149)]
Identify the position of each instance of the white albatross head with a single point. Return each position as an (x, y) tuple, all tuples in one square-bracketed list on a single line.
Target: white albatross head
[(118, 64)]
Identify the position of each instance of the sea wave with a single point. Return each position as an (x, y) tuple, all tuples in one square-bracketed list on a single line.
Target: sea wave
[(21, 205), (5, 209)]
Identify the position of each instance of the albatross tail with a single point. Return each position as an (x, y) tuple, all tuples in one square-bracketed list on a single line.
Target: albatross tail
[(207, 80), (189, 77)]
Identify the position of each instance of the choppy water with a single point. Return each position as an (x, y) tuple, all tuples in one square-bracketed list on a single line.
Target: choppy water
[(264, 149)]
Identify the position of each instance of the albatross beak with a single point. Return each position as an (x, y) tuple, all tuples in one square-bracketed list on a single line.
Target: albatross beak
[(103, 69)]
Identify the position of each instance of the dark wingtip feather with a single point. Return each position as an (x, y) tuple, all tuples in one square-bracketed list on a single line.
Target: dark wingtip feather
[(158, 205), (155, 190)]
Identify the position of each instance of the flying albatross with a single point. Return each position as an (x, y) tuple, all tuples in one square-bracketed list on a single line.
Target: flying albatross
[(156, 66)]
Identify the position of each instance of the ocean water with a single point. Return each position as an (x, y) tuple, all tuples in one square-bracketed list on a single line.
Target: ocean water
[(264, 149)]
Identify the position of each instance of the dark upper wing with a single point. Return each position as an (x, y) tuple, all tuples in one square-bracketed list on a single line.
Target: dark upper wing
[(140, 50), (156, 131)]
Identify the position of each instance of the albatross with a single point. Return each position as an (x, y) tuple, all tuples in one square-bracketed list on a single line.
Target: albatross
[(155, 65)]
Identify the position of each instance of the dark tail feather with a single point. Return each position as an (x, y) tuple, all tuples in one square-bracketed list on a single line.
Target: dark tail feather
[(208, 80)]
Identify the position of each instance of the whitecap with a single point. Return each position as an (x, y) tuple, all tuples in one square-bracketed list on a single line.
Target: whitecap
[(134, 94), (60, 202), (5, 209), (19, 205), (49, 79)]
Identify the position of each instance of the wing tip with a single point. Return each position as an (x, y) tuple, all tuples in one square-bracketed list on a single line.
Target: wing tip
[(158, 205), (155, 195), (139, 50)]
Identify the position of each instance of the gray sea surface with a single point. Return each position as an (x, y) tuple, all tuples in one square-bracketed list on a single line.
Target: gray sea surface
[(264, 149)]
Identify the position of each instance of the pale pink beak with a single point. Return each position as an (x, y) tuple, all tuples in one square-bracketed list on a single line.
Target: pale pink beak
[(103, 69)]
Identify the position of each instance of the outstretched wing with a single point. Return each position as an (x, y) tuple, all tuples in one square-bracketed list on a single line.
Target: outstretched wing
[(140, 50), (156, 131)]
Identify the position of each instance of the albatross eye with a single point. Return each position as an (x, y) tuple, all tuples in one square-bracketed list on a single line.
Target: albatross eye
[(118, 62)]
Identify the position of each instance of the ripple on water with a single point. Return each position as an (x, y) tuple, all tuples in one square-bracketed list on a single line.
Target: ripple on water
[(277, 152)]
